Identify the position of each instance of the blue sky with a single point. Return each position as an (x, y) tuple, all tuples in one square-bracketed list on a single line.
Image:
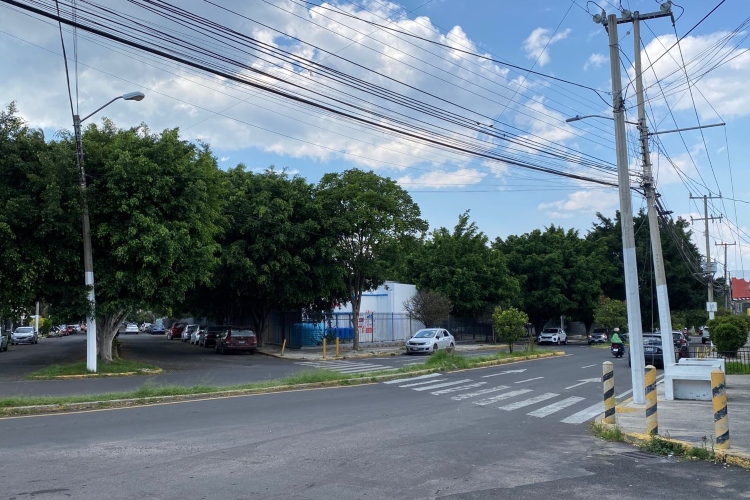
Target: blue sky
[(554, 37)]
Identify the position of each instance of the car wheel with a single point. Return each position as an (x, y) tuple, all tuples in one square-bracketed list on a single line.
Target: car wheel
[(252, 351), (558, 341), (703, 341), (566, 341), (222, 350), (435, 348), (452, 348)]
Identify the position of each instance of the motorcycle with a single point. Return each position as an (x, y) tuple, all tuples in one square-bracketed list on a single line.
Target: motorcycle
[(617, 350)]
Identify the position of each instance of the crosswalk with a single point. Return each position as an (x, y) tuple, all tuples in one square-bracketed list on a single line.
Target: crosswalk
[(503, 397), (342, 366)]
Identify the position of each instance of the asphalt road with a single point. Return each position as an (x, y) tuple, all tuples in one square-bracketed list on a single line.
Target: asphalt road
[(375, 441)]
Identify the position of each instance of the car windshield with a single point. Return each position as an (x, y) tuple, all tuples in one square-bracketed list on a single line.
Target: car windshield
[(215, 329), (192, 328), (652, 340), (549, 330), (243, 333), (24, 329), (425, 334)]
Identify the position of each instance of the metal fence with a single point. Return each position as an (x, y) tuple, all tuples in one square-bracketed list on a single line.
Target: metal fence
[(737, 363)]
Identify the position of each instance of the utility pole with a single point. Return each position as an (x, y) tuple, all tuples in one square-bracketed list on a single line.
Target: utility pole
[(727, 286), (662, 297), (710, 305)]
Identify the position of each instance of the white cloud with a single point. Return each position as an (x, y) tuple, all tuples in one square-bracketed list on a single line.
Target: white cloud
[(223, 159), (594, 61), (537, 44), (459, 178), (586, 202)]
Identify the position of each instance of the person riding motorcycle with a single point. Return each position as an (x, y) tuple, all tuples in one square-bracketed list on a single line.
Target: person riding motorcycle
[(616, 340)]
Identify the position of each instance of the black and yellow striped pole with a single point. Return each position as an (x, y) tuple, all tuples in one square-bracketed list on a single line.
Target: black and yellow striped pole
[(608, 380), (721, 420), (652, 422)]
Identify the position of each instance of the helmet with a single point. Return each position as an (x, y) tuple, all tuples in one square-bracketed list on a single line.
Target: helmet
[(617, 329)]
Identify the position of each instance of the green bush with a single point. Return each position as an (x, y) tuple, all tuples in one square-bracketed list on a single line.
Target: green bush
[(729, 333)]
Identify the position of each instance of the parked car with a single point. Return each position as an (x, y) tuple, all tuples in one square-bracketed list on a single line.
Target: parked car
[(145, 327), (196, 335), (429, 340), (24, 335), (553, 336), (4, 340), (175, 331), (157, 329), (598, 336), (210, 334), (705, 335), (188, 331), (240, 338), (132, 328)]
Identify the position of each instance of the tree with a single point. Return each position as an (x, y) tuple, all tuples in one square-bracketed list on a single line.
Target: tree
[(560, 273), (611, 314), (462, 266), (365, 215), (729, 333), (429, 307), (155, 205), (510, 325)]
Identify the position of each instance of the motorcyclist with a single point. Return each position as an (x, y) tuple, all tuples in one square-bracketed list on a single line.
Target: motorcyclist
[(617, 340)]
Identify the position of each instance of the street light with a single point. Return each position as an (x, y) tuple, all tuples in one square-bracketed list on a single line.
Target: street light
[(88, 261)]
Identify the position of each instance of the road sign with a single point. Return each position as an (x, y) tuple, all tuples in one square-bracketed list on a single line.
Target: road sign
[(711, 307)]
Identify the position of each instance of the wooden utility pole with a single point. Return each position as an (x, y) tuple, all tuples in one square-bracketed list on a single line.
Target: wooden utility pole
[(710, 305), (727, 286)]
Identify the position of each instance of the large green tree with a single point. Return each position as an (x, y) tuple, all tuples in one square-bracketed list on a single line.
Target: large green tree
[(365, 216), (560, 273), (465, 268), (155, 204)]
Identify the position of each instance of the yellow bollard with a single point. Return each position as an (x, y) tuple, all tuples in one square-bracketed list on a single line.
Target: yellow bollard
[(652, 421), (283, 345), (337, 347), (609, 392), (719, 398), (324, 348)]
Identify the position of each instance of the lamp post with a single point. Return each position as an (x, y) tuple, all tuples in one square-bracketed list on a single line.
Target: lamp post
[(88, 261)]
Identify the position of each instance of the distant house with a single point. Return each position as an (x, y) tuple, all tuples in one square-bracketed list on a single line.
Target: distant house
[(741, 295)]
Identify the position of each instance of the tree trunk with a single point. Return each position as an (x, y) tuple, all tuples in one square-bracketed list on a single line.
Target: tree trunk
[(260, 322), (356, 304), (106, 329)]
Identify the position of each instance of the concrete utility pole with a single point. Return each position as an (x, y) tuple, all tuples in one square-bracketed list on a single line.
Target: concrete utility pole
[(727, 286), (710, 305), (665, 316), (635, 329)]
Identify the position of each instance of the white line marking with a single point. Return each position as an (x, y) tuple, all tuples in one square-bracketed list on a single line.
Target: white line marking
[(425, 382), (365, 370), (459, 388), (528, 402), (555, 407), (587, 366), (410, 379), (500, 397), (581, 382), (528, 380), (585, 414), (444, 384), (503, 373), (479, 393)]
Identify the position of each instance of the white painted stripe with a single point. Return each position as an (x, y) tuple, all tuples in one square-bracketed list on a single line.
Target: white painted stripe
[(587, 366), (366, 370), (459, 388), (555, 407), (444, 384), (529, 402), (410, 379), (528, 380), (425, 382), (500, 397), (479, 393), (504, 373), (586, 414)]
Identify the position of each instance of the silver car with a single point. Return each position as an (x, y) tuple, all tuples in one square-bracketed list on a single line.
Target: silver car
[(195, 335), (24, 335), (429, 340), (4, 341), (188, 332)]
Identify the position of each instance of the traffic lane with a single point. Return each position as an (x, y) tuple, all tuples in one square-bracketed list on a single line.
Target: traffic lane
[(20, 360), (332, 444)]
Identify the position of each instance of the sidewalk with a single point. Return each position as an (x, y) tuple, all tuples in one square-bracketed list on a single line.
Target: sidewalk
[(690, 421), (365, 351)]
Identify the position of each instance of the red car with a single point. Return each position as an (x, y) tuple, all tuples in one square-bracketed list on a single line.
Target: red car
[(175, 332), (238, 338)]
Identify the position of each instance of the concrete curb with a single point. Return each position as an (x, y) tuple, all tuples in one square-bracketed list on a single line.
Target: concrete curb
[(101, 375), (355, 355), (730, 456), (123, 403)]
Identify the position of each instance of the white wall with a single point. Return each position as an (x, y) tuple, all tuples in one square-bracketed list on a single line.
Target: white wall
[(387, 298)]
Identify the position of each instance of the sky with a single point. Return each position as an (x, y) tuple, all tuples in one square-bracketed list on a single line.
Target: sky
[(495, 77)]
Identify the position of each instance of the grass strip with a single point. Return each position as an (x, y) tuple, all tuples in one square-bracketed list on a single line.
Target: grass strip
[(116, 367), (151, 392)]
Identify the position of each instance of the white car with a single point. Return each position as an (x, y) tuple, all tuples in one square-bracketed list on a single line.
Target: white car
[(705, 335), (430, 340), (553, 336), (144, 327), (188, 332), (131, 328)]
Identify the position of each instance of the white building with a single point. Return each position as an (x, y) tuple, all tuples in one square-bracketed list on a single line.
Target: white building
[(387, 298)]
